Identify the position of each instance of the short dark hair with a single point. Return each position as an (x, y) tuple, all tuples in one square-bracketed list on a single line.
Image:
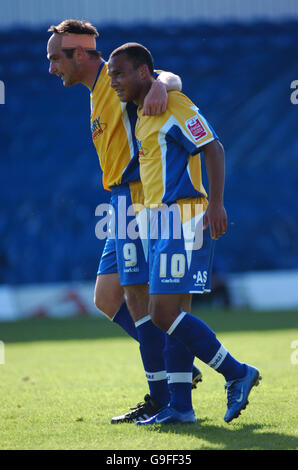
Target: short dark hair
[(137, 53), (74, 27)]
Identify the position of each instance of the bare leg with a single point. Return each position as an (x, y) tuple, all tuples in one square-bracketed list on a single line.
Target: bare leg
[(137, 298), (108, 294)]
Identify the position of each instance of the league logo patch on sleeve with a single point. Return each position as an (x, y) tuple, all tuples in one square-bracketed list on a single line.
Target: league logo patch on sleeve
[(196, 128)]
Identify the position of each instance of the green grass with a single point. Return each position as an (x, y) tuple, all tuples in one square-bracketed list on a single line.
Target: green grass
[(64, 379)]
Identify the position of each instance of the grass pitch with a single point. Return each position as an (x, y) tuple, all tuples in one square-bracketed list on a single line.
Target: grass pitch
[(64, 379)]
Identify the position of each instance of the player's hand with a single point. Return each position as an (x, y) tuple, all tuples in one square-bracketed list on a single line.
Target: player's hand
[(216, 217), (156, 100)]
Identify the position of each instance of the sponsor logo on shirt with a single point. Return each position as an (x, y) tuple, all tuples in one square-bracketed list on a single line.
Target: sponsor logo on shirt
[(142, 151), (196, 128), (97, 128)]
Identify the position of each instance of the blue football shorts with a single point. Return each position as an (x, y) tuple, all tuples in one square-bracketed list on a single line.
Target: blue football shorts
[(180, 251), (123, 251), (108, 260)]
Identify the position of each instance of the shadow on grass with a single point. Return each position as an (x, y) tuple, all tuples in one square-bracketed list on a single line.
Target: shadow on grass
[(229, 437), (90, 327)]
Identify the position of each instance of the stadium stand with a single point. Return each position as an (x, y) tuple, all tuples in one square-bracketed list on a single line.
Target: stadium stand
[(50, 182)]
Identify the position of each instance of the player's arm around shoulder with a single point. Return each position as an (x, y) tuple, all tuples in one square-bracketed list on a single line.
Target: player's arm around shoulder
[(171, 81), (215, 216), (156, 101)]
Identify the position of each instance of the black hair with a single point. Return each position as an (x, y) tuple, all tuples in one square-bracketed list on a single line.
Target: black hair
[(137, 53)]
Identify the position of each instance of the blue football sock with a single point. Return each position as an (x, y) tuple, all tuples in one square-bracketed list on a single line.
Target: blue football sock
[(202, 342), (152, 342), (179, 364), (123, 319)]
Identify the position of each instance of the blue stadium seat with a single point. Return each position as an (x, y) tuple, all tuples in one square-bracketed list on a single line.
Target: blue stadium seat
[(50, 181)]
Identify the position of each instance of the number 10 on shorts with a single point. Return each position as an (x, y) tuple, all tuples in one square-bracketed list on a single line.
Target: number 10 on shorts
[(177, 265)]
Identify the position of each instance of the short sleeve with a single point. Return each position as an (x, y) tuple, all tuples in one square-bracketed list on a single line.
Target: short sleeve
[(190, 128)]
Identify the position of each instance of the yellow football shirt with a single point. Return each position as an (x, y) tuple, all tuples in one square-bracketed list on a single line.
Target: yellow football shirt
[(112, 127), (169, 151)]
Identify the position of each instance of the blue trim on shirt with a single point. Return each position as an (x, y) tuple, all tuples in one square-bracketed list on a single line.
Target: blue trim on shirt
[(97, 75)]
